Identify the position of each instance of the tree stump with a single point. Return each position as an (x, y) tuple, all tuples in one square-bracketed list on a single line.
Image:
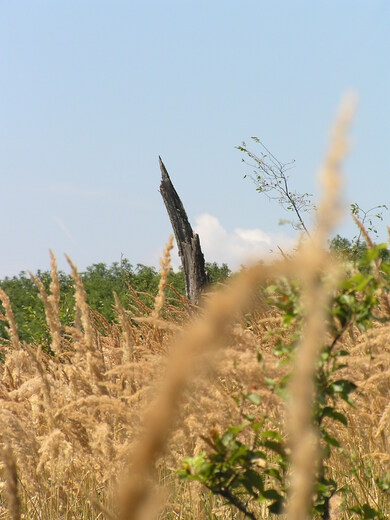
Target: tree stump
[(188, 243)]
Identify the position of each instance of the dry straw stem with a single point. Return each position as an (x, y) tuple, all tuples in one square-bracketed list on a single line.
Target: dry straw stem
[(303, 440), (363, 230), (127, 337), (161, 324), (54, 285), (11, 482), (11, 329), (36, 356), (384, 423), (94, 357), (51, 305), (329, 210), (54, 301), (165, 263), (81, 306)]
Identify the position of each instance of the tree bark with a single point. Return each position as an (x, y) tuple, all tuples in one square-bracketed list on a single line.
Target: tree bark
[(188, 243)]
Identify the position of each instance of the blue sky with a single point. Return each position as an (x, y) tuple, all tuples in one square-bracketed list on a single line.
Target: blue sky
[(93, 91)]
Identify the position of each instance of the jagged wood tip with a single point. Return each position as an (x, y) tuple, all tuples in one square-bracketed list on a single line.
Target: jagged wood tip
[(164, 173)]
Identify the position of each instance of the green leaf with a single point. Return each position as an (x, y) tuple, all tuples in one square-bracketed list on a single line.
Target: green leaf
[(343, 387), (385, 268), (274, 473), (366, 512), (271, 434), (341, 353), (272, 494), (256, 425), (328, 411), (235, 430), (226, 438), (253, 398), (274, 446), (331, 441), (276, 507), (252, 480)]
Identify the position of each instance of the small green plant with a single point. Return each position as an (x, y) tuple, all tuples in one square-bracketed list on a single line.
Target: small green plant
[(232, 468), (271, 178), (247, 464), (368, 218)]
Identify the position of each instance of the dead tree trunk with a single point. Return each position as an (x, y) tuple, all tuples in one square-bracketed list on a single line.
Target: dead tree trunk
[(188, 243)]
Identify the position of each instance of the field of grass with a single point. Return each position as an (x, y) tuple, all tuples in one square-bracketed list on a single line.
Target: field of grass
[(295, 354)]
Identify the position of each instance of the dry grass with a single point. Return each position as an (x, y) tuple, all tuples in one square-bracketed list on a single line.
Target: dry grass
[(96, 429)]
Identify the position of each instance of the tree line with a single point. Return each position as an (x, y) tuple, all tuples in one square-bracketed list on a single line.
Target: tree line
[(100, 281)]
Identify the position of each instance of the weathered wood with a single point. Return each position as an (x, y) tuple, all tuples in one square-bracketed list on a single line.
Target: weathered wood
[(188, 243)]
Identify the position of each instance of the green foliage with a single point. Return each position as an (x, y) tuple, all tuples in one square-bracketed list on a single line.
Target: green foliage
[(100, 281), (368, 482), (231, 467), (368, 218), (271, 178), (366, 512), (345, 249), (217, 273), (28, 309), (352, 250)]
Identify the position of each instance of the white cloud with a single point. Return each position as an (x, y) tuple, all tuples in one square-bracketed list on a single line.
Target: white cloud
[(237, 247)]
